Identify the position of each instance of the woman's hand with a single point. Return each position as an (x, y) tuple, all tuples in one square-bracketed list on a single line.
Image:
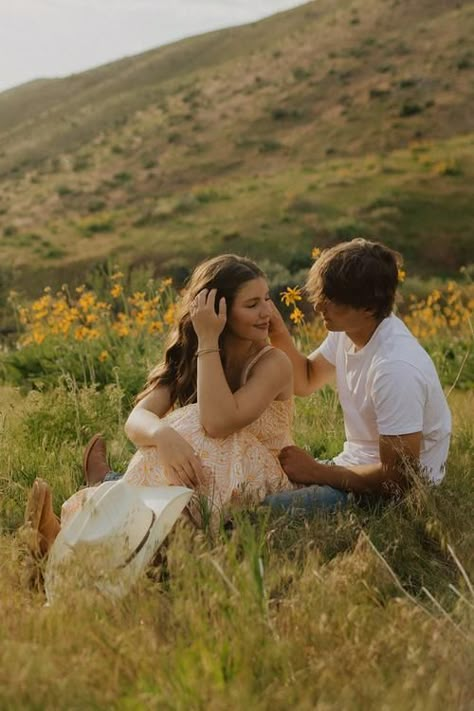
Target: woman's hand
[(207, 323), (181, 465)]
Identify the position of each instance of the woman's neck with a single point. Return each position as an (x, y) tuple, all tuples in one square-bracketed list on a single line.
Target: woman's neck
[(237, 351)]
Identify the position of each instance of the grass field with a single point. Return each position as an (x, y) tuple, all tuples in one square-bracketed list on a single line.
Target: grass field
[(363, 609)]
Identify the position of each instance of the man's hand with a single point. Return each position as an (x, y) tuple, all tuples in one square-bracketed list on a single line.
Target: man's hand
[(299, 466), (277, 324)]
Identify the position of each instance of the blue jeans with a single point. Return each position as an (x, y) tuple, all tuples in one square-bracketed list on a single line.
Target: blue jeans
[(308, 500), (113, 476)]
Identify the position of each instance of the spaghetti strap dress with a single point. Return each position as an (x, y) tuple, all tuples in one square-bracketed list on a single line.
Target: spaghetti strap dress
[(240, 469)]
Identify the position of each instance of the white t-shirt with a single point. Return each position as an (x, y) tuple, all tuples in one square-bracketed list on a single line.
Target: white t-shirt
[(389, 387)]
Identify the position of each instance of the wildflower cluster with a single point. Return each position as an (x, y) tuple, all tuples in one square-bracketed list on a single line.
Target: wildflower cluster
[(290, 297), (81, 316), (444, 312), (309, 332)]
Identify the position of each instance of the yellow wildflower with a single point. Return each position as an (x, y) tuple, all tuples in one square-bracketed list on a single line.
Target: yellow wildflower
[(116, 291), (170, 315), (401, 275), (155, 327), (121, 329), (315, 253), (297, 316), (291, 295), (103, 356), (38, 337), (80, 333)]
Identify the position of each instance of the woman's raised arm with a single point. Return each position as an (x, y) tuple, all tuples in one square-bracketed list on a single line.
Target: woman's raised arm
[(223, 412)]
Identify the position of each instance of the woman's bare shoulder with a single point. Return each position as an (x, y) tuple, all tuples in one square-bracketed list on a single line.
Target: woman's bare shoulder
[(276, 356), (274, 361)]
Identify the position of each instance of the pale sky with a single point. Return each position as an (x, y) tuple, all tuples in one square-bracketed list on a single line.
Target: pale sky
[(51, 38)]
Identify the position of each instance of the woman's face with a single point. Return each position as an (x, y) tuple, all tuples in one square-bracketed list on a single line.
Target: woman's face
[(249, 317)]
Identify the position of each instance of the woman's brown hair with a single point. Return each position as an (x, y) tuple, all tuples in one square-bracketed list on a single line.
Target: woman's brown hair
[(178, 370)]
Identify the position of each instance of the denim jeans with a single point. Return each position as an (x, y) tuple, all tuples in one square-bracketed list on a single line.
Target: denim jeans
[(113, 476), (308, 500)]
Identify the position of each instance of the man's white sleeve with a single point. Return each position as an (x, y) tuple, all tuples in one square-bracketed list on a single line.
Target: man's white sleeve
[(328, 348), (399, 395)]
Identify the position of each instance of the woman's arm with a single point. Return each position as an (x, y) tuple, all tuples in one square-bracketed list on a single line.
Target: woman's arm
[(146, 428), (144, 423), (221, 411)]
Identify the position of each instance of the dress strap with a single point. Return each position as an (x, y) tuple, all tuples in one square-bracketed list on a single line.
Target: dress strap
[(250, 365)]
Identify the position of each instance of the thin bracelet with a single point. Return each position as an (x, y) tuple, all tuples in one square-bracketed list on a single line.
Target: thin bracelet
[(202, 351)]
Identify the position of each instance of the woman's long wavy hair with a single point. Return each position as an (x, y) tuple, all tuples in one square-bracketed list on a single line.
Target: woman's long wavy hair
[(178, 370)]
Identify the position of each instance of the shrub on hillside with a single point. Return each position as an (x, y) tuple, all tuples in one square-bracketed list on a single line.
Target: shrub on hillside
[(379, 92), (347, 229), (280, 113), (121, 178), (407, 83), (270, 146), (410, 108), (465, 62), (81, 163), (92, 226), (300, 73), (63, 190), (54, 252)]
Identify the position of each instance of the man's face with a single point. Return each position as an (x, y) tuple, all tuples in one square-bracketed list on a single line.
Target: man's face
[(339, 317)]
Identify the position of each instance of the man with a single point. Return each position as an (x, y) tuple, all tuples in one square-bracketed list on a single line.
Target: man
[(395, 413)]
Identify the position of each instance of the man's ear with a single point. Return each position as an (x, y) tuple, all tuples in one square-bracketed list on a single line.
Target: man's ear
[(370, 313)]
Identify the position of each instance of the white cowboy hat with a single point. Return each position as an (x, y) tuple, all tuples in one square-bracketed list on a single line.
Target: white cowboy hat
[(110, 541)]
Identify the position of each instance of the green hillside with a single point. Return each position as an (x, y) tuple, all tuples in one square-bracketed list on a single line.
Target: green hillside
[(317, 124)]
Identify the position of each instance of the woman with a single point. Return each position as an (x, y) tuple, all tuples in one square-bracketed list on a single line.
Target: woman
[(216, 412)]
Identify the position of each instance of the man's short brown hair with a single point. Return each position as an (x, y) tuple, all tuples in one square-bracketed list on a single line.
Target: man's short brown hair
[(359, 273)]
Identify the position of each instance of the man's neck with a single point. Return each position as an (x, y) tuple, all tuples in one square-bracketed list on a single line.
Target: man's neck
[(361, 334)]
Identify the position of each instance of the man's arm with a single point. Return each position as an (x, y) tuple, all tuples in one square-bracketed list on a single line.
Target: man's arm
[(309, 374), (398, 455)]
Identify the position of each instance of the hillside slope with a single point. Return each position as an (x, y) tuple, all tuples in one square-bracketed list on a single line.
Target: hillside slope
[(313, 125)]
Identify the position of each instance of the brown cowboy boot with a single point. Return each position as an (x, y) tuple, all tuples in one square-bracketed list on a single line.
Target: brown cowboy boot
[(38, 532), (40, 520), (94, 463)]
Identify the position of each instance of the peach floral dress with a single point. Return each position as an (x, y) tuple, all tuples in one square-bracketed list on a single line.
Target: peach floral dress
[(239, 469)]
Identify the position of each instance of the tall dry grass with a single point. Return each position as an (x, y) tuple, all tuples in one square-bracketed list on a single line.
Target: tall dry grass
[(367, 608)]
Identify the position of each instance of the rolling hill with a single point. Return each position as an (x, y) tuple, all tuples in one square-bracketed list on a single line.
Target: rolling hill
[(314, 125)]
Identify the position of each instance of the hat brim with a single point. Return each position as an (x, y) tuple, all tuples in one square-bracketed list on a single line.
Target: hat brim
[(89, 550)]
